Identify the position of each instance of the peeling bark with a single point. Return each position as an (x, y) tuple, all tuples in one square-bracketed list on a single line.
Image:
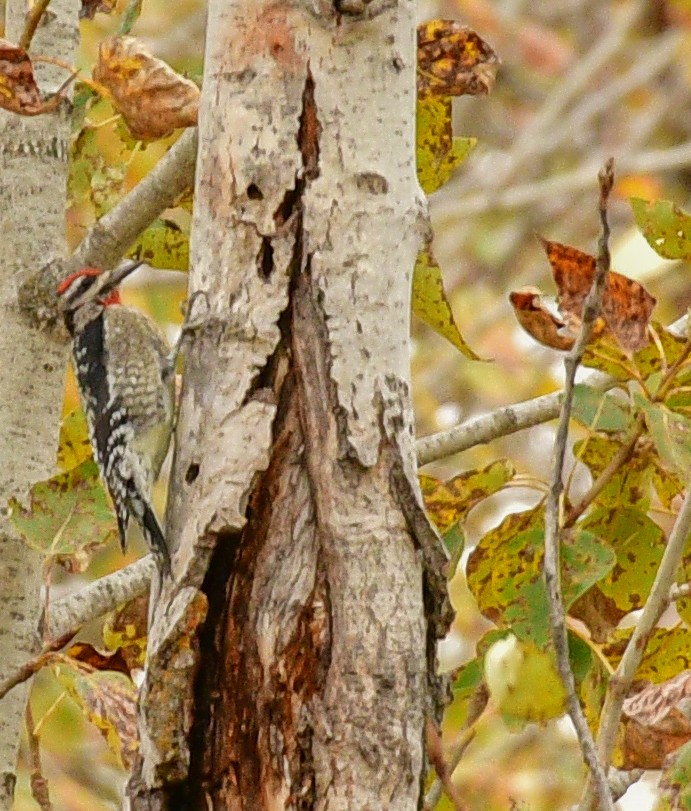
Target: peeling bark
[(292, 663)]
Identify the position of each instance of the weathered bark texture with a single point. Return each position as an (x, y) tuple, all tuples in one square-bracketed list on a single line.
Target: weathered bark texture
[(292, 664), (33, 168)]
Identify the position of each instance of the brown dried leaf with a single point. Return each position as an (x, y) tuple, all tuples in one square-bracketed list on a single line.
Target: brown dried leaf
[(19, 92), (657, 722), (626, 304), (108, 700), (91, 7), (538, 321), (154, 100), (87, 654), (452, 60)]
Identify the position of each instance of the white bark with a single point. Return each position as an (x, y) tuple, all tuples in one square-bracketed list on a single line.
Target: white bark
[(33, 166), (292, 657)]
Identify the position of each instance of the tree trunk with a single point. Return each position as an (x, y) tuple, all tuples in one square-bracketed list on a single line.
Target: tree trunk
[(292, 663), (33, 167)]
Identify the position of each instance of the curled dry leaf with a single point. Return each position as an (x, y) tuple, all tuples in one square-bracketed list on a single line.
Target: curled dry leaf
[(19, 92), (91, 7), (626, 304), (154, 100), (538, 321), (452, 60), (657, 722)]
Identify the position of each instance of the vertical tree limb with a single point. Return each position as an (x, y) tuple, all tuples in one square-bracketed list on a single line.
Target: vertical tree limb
[(553, 508)]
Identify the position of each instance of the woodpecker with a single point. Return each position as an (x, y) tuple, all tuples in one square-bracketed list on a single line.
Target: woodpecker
[(126, 376)]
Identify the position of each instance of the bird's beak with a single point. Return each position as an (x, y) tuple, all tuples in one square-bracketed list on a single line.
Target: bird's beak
[(113, 278)]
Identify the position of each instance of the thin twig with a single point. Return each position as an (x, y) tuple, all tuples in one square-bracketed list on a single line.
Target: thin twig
[(520, 195), (512, 418), (33, 18), (39, 784), (619, 459), (552, 566), (33, 665), (444, 779), (657, 602)]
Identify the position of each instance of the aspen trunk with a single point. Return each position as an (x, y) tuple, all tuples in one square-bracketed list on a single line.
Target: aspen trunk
[(292, 664), (33, 167)]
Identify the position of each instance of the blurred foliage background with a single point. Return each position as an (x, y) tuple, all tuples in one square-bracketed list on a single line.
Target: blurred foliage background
[(581, 80)]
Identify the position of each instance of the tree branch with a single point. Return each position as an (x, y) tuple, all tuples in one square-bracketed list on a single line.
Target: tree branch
[(658, 600), (69, 613), (109, 238), (577, 179), (501, 422), (33, 18), (552, 567), (512, 418)]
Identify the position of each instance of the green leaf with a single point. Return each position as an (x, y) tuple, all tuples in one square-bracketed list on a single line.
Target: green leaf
[(667, 654), (504, 573), (431, 305), (69, 513), (130, 15), (666, 484), (671, 433), (448, 502), (648, 360), (85, 160), (606, 356), (665, 226), (107, 187), (675, 783), (638, 543), (74, 446), (454, 542), (163, 245), (599, 411), (439, 154), (630, 485), (465, 688), (513, 668)]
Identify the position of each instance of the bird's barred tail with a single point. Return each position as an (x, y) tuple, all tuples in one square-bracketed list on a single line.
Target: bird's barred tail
[(139, 508), (154, 537)]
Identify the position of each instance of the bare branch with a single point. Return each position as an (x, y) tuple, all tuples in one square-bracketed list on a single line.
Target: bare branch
[(444, 779), (501, 422), (69, 613), (33, 665), (39, 784), (114, 233), (552, 567), (520, 195), (33, 18), (512, 418)]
